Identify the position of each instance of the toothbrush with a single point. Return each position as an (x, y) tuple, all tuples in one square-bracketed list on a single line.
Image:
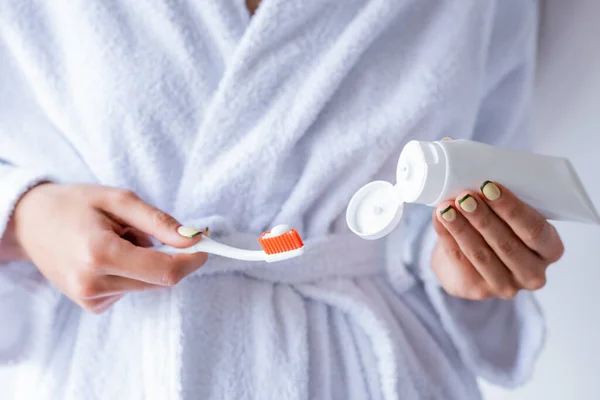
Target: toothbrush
[(280, 243)]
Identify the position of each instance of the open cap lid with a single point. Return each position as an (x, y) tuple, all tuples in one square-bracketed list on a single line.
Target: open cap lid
[(374, 210)]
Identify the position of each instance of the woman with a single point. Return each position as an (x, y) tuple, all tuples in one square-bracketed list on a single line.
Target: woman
[(119, 120)]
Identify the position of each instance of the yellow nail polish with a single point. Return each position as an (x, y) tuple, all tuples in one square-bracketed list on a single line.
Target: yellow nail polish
[(448, 213), (468, 203), (490, 190), (188, 232)]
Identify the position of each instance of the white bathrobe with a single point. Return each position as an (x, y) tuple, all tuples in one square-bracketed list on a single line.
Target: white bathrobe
[(240, 123)]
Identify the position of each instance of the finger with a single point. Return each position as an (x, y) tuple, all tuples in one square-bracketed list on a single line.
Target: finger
[(136, 237), (455, 272), (118, 257), (527, 267), (439, 228), (101, 305), (130, 210), (528, 224), (112, 285), (477, 251)]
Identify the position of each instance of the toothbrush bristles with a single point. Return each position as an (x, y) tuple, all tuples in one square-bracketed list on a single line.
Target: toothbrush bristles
[(288, 241)]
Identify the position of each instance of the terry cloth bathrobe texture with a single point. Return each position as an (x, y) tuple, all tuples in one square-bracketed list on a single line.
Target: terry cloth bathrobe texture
[(241, 123)]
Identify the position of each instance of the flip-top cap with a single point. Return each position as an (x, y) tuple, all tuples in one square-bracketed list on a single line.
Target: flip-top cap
[(374, 210)]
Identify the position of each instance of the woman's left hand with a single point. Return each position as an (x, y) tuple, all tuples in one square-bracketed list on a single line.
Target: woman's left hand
[(492, 245)]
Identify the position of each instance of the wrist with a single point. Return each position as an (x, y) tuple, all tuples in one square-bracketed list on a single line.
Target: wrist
[(10, 250), (10, 246)]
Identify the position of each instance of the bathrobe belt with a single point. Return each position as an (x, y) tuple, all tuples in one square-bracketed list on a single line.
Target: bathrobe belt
[(331, 256)]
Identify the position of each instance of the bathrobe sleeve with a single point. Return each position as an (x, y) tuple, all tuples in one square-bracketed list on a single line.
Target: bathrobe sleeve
[(26, 297), (27, 300), (498, 339)]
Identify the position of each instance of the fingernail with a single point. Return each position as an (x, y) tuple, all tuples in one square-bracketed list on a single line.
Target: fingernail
[(468, 203), (448, 213), (490, 190), (188, 232), (447, 138)]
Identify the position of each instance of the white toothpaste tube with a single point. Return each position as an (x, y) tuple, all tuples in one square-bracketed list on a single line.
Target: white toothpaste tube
[(431, 172)]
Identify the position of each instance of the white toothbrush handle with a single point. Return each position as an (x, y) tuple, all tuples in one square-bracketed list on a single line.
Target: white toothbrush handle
[(208, 245)]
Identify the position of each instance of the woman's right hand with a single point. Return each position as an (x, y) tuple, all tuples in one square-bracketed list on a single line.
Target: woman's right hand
[(92, 242)]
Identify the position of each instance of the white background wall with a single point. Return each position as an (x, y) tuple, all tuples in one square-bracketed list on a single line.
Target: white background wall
[(568, 124)]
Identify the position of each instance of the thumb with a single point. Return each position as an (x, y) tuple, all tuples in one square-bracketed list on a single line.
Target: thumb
[(131, 210)]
